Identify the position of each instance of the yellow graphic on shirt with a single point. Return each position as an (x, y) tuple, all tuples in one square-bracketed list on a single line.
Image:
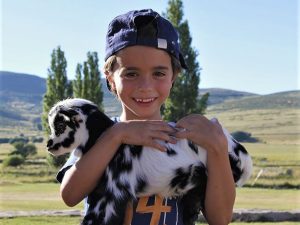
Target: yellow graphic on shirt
[(155, 209)]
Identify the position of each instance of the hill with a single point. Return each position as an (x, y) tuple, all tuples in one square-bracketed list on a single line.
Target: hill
[(22, 83), (21, 97), (219, 95), (282, 100)]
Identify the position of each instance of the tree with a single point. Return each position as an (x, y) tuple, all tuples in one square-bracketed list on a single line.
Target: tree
[(90, 86), (77, 83), (57, 84), (58, 87), (184, 98), (24, 149)]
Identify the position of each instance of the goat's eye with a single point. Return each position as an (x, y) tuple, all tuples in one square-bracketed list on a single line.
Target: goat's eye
[(60, 127)]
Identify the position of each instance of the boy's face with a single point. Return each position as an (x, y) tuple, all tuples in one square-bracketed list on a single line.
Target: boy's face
[(142, 79)]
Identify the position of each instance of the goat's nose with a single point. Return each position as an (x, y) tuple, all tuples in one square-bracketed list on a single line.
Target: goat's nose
[(49, 143)]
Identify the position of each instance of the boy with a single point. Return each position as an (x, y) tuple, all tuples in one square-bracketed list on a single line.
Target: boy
[(142, 61)]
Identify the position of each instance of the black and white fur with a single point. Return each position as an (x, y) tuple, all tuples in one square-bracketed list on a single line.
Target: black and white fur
[(137, 171)]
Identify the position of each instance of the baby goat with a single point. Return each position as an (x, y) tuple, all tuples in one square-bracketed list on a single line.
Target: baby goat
[(137, 171)]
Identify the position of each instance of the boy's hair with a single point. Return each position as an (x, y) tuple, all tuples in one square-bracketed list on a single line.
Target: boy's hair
[(142, 27)]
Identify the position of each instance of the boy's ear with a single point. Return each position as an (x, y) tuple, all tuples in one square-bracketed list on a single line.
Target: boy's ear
[(175, 75), (110, 80)]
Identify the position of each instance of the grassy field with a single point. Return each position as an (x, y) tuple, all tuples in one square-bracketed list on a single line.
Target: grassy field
[(273, 126), (41, 220), (32, 186), (278, 165), (45, 196), (32, 196), (75, 221)]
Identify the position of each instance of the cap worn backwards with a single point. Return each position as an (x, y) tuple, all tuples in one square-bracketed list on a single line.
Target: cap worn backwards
[(142, 27)]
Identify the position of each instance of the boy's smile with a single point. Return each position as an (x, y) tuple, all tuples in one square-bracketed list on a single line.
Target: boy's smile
[(142, 79), (144, 101)]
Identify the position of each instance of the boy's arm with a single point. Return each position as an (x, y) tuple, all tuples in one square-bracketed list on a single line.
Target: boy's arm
[(220, 190), (83, 176)]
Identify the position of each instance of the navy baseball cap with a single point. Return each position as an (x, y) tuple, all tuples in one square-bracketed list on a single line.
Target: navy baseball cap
[(142, 27)]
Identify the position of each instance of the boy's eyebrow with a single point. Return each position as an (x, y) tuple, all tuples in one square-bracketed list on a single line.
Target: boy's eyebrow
[(161, 67), (131, 68), (155, 68)]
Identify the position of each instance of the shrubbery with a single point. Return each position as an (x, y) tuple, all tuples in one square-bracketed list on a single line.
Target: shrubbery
[(19, 139), (24, 149), (57, 161), (242, 136), (37, 139), (13, 160)]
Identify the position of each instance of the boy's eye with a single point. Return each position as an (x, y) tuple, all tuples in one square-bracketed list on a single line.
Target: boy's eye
[(159, 74), (130, 75)]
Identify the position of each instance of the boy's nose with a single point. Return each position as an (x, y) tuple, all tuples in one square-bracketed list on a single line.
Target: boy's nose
[(145, 83)]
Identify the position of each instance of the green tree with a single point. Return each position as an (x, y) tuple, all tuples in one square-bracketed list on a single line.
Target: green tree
[(57, 84), (184, 98), (58, 87), (77, 83), (24, 149), (90, 86)]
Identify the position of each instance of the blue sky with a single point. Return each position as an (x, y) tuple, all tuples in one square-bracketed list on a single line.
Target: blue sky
[(246, 45)]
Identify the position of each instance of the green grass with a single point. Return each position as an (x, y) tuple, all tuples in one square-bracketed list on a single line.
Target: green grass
[(279, 164), (34, 170), (46, 196), (274, 154), (32, 196), (261, 223), (272, 199), (63, 220), (57, 220), (272, 126)]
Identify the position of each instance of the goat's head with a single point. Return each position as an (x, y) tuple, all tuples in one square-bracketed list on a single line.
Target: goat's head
[(67, 123)]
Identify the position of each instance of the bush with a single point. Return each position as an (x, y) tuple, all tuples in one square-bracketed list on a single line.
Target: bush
[(242, 136), (13, 160), (24, 149), (37, 139), (57, 161), (19, 139)]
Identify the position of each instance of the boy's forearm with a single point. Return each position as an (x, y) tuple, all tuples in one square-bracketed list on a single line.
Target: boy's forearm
[(83, 177), (220, 191)]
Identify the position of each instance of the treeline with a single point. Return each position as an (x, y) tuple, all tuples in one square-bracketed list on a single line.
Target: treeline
[(21, 139)]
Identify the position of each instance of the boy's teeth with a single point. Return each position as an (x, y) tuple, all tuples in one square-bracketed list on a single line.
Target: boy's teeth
[(145, 100)]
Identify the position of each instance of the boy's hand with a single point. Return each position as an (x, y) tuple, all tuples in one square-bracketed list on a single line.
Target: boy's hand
[(146, 133), (203, 132)]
